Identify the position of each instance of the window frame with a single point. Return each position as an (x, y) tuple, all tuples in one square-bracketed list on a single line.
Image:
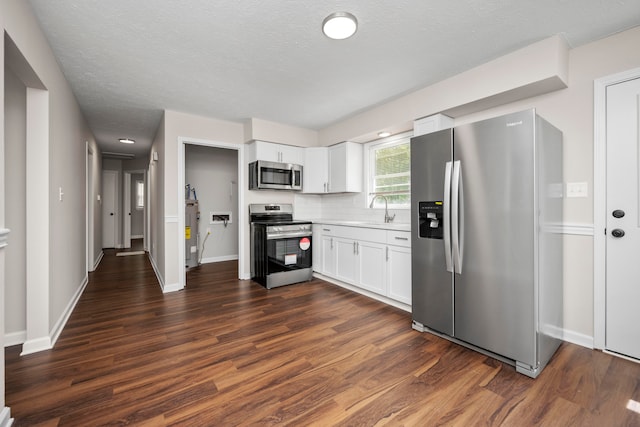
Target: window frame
[(370, 147), (139, 197)]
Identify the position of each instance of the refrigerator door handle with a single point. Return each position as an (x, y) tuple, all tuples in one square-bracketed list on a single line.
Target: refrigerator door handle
[(457, 216), (446, 217)]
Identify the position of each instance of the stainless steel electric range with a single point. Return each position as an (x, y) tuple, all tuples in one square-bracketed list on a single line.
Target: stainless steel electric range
[(280, 246)]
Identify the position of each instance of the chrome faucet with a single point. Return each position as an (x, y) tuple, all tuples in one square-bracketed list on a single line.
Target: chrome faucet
[(387, 217)]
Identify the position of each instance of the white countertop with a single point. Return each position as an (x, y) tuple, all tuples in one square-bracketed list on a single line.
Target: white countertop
[(399, 226)]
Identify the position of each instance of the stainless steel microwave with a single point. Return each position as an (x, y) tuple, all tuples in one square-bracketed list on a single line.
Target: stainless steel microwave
[(274, 176)]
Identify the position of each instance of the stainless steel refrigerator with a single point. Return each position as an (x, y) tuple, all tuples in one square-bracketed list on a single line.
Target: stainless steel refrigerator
[(486, 200)]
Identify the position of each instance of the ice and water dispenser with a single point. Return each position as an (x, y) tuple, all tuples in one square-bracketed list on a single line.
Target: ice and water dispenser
[(430, 220)]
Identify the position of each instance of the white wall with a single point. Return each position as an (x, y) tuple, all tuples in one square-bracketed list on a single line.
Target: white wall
[(137, 215), (156, 203), (265, 130), (213, 172), (15, 154), (96, 181), (4, 411), (66, 137)]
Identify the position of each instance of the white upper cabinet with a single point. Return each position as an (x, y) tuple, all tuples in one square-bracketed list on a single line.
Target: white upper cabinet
[(315, 174), (431, 124), (345, 168), (271, 152)]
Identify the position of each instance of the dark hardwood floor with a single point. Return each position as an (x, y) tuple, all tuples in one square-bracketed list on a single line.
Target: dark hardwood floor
[(226, 352)]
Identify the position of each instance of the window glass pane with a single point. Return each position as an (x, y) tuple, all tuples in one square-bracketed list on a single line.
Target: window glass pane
[(139, 194), (390, 173)]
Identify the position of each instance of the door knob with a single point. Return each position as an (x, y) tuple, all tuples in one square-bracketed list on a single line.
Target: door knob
[(617, 232), (111, 214), (618, 213)]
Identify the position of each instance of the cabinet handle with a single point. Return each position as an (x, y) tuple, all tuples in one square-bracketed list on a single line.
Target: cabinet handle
[(325, 187), (327, 229), (332, 243), (401, 238), (354, 248), (387, 253)]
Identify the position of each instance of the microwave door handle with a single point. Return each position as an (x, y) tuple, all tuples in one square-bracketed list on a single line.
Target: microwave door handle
[(447, 217)]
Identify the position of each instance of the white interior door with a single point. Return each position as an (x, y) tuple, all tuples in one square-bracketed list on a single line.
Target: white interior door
[(127, 211), (622, 333), (109, 208)]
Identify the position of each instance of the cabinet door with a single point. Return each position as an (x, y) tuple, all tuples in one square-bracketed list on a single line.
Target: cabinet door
[(315, 173), (291, 154), (399, 273), (345, 168), (346, 260), (328, 256), (270, 152), (316, 247), (337, 168), (372, 266)]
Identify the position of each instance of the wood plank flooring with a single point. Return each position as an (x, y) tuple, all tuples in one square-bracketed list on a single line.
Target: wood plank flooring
[(226, 352)]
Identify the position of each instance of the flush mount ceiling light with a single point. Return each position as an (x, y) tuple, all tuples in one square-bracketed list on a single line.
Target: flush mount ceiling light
[(339, 25), (384, 134), (127, 140)]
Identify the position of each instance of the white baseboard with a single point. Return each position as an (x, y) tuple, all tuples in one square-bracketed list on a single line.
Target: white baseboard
[(47, 343), (97, 262), (219, 259), (578, 338), (15, 338), (172, 288), (156, 271), (62, 321), (36, 345), (5, 417)]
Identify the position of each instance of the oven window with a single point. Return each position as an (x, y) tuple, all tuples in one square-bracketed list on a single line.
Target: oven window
[(275, 176), (288, 254)]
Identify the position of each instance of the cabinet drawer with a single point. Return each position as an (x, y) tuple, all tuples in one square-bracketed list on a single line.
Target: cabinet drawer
[(399, 238)]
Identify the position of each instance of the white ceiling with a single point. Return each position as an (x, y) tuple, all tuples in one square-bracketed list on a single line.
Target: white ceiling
[(126, 61)]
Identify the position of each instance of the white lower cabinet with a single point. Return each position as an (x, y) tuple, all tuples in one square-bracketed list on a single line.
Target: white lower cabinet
[(328, 261), (346, 260), (372, 266), (375, 260), (399, 273)]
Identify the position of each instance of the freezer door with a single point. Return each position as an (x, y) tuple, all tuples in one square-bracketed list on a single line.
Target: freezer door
[(494, 289), (432, 284)]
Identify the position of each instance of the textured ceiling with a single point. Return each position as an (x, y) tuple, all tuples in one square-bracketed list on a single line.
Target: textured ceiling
[(126, 61)]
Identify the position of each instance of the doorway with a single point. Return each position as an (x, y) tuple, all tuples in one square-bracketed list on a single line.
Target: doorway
[(231, 190), (109, 208), (616, 213), (135, 206)]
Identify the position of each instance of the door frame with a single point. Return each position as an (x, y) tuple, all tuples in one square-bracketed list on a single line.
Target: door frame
[(116, 209), (126, 217), (90, 233), (600, 198), (243, 222)]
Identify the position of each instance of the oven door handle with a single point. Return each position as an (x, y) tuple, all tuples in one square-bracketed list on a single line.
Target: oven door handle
[(274, 236)]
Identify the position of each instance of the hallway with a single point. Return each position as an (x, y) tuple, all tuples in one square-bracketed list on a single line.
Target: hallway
[(229, 352)]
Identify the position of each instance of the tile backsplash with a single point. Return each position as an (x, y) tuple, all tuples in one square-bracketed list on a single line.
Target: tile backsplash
[(344, 206)]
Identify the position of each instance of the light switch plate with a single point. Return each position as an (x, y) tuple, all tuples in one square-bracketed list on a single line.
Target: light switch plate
[(577, 189)]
